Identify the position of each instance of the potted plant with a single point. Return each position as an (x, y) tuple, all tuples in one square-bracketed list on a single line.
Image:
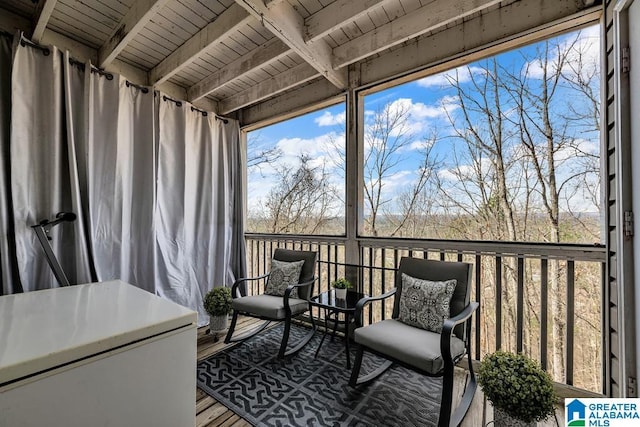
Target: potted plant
[(520, 391), (217, 302), (341, 285)]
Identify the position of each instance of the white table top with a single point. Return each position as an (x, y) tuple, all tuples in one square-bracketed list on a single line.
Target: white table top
[(43, 329)]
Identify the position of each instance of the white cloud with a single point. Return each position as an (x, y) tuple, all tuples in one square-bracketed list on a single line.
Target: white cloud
[(420, 144), (328, 119), (463, 73), (468, 172), (578, 149), (586, 50), (294, 147), (419, 116)]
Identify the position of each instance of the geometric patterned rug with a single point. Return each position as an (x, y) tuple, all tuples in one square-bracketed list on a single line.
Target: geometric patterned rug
[(302, 390)]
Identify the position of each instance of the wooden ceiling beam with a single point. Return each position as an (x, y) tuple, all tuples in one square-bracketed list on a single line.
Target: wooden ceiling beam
[(336, 15), (287, 24), (44, 9), (228, 21), (264, 54), (279, 83), (141, 12), (436, 14)]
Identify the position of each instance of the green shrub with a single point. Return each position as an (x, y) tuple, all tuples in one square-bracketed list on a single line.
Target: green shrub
[(341, 283), (217, 302), (517, 385)]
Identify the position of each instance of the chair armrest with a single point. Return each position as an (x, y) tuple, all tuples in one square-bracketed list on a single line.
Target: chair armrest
[(449, 324), (234, 287), (367, 300), (290, 288)]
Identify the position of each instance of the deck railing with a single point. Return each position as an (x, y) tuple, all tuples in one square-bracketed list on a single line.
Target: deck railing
[(541, 299)]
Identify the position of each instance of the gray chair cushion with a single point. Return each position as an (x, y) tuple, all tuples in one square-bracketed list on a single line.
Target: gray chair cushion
[(282, 275), (269, 306), (414, 346), (424, 303)]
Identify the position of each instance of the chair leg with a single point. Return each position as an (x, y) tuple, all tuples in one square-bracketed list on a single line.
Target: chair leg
[(447, 396), (355, 372), (467, 397), (304, 341), (285, 338), (232, 327), (229, 338)]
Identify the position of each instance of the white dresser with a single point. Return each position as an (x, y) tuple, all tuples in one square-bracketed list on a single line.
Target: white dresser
[(100, 354)]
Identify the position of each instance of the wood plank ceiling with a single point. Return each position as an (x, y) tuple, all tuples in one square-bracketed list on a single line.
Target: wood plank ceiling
[(235, 53)]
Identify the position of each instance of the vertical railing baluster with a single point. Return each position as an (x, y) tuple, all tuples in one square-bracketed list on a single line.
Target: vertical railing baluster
[(335, 259), (520, 306), (383, 281), (371, 262), (570, 321), (328, 267), (256, 262), (479, 301), (498, 302), (544, 315)]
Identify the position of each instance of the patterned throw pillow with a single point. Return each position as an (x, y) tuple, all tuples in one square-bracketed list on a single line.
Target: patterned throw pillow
[(425, 304), (282, 275)]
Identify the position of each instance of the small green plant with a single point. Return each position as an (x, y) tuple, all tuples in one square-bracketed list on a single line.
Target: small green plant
[(217, 302), (517, 385), (341, 283)]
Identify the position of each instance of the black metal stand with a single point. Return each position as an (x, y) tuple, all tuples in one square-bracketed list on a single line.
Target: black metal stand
[(42, 231)]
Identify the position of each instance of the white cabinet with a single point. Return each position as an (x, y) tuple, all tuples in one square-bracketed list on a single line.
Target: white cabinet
[(101, 354)]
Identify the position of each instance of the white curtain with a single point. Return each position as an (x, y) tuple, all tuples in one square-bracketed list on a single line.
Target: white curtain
[(156, 186), (195, 207), (120, 180), (41, 183), (9, 277)]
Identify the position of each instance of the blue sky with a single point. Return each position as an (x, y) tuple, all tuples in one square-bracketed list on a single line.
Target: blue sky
[(427, 102)]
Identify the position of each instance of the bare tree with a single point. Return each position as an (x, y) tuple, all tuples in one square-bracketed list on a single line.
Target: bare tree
[(415, 205), (302, 201), (524, 135), (259, 156), (385, 138)]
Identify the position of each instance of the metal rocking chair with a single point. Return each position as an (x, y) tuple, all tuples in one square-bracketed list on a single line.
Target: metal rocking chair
[(277, 308), (430, 353)]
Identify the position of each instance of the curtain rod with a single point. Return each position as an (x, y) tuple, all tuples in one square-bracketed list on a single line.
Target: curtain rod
[(175, 101), (204, 113), (140, 88), (101, 72), (26, 42), (46, 51), (82, 66)]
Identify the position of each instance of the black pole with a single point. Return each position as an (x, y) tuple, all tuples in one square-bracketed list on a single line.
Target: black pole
[(42, 231)]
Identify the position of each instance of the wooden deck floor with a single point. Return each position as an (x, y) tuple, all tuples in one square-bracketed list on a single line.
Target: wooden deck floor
[(211, 413)]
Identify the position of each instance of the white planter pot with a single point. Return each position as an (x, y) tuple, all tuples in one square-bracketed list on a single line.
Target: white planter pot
[(502, 419), (341, 293), (218, 323)]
